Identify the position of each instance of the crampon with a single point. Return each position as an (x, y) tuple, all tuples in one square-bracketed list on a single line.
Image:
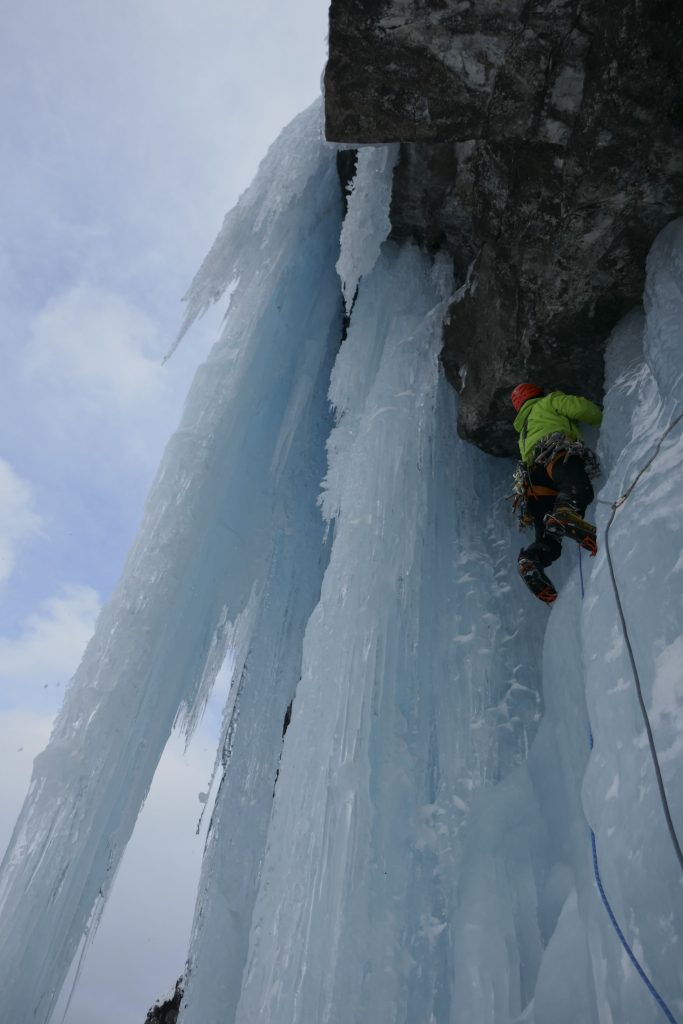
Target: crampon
[(536, 580), (565, 522)]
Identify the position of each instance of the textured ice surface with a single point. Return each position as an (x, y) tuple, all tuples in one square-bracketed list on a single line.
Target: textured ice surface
[(366, 224), (642, 876), (532, 939), (663, 341), (232, 865), (425, 853), (418, 686), (412, 694)]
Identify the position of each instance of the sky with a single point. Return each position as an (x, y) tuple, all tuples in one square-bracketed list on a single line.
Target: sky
[(130, 127)]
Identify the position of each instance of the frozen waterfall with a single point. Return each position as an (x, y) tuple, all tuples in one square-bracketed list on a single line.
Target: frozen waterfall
[(417, 848)]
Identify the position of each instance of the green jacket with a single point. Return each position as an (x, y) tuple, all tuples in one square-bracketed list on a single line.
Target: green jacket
[(552, 414)]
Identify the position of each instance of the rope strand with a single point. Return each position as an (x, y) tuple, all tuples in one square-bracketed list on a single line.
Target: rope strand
[(648, 727), (641, 700), (653, 750), (622, 938), (615, 924)]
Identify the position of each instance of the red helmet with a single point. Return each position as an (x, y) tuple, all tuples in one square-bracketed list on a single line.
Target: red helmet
[(522, 394)]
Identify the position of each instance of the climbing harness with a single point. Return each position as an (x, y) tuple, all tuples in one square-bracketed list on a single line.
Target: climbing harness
[(548, 452), (662, 792)]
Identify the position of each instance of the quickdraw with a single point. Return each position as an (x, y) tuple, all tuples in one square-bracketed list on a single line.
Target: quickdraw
[(550, 448), (521, 492)]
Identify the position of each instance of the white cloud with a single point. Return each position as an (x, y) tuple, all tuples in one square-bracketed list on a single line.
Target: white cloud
[(51, 642), (18, 520), (93, 387), (95, 343)]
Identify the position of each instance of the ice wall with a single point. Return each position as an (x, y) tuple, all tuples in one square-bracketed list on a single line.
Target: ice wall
[(418, 847), (419, 685), (230, 529), (429, 855), (412, 694), (642, 874), (532, 938)]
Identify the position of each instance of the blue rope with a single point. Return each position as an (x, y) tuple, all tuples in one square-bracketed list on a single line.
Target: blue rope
[(639, 690), (622, 938), (583, 592), (596, 867)]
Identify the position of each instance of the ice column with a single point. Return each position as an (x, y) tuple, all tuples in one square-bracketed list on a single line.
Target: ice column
[(239, 826), (413, 691), (237, 479), (367, 223)]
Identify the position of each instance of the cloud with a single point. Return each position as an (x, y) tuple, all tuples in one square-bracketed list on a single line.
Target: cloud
[(91, 374), (49, 645), (98, 345), (18, 520)]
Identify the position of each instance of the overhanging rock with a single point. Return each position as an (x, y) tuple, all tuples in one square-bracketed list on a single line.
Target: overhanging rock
[(543, 147)]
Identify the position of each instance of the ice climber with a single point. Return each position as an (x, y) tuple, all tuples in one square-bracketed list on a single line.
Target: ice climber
[(552, 481)]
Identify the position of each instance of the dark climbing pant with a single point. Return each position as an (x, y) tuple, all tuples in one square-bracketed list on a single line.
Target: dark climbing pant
[(573, 486)]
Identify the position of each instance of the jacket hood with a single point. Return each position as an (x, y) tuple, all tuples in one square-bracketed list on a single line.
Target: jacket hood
[(523, 414)]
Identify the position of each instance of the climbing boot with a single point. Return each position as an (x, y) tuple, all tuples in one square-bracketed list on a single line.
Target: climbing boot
[(565, 521), (536, 580)]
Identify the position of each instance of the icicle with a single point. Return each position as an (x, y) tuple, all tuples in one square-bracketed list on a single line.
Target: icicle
[(367, 222), (235, 478)]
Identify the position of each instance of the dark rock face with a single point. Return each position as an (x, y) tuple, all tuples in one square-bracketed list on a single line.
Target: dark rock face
[(543, 147), (167, 1012)]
